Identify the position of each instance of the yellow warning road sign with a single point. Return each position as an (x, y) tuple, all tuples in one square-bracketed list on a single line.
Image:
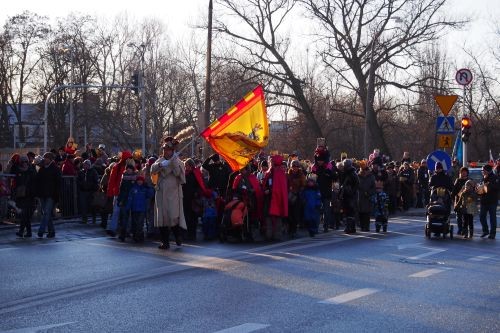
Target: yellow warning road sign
[(445, 141), (445, 102)]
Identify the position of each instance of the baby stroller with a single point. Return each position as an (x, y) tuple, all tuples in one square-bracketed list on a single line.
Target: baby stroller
[(438, 213), (234, 221)]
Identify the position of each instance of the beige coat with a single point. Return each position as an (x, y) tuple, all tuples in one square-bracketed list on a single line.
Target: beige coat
[(169, 211)]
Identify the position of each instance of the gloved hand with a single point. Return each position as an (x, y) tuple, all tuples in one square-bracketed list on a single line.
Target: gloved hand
[(165, 163)]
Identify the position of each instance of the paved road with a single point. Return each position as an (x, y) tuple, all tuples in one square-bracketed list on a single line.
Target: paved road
[(368, 282)]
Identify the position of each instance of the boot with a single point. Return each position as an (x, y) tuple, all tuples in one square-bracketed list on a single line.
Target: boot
[(28, 230), (177, 234), (164, 237)]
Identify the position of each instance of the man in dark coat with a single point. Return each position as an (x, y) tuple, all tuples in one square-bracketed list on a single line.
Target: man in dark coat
[(423, 184), (218, 174), (48, 182), (88, 183), (349, 195), (406, 181), (488, 193), (325, 178), (440, 178)]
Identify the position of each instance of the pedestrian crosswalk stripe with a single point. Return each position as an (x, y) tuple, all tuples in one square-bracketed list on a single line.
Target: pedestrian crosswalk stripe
[(244, 328), (480, 258), (350, 296), (428, 272)]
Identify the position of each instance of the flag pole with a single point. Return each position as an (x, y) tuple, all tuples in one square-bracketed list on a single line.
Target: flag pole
[(208, 81)]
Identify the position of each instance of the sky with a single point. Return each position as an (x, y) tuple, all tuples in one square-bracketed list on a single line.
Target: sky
[(179, 15)]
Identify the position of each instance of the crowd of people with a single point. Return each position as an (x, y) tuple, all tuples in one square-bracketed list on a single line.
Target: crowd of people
[(272, 196)]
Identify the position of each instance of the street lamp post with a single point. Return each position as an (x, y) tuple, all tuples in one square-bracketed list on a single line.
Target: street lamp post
[(142, 49)]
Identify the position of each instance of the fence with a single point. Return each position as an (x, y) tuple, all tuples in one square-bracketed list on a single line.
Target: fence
[(67, 207)]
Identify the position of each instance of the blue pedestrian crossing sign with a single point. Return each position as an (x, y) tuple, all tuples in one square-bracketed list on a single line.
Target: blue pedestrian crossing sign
[(439, 156), (445, 125)]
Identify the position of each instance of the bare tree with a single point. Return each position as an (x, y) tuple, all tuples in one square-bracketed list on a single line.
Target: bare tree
[(24, 32), (359, 38), (261, 50)]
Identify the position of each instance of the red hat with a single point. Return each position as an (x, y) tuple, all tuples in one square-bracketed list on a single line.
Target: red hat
[(277, 160)]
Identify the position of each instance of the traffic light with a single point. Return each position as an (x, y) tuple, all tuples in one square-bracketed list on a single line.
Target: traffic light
[(466, 125), (134, 81)]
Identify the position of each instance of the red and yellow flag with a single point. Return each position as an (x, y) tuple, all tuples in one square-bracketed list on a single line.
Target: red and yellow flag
[(242, 132)]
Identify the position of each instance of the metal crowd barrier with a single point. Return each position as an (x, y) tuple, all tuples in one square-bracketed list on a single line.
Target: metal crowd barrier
[(67, 206)]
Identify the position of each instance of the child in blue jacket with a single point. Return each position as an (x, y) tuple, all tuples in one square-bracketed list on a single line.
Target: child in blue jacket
[(311, 198), (138, 201)]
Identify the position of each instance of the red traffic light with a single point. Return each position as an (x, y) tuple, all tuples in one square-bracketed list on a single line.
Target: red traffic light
[(466, 122)]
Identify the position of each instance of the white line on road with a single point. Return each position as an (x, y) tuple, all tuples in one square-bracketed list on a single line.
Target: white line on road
[(434, 250), (245, 328), (8, 248), (480, 258), (347, 297), (429, 272), (36, 329)]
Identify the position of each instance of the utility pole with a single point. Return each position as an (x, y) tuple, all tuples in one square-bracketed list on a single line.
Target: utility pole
[(208, 81)]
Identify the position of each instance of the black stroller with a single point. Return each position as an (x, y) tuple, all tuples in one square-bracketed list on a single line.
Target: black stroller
[(438, 213)]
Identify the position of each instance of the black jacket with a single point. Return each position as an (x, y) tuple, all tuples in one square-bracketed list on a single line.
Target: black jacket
[(218, 174), (48, 180), (441, 179), (423, 176), (325, 181), (459, 183), (492, 183), (88, 180)]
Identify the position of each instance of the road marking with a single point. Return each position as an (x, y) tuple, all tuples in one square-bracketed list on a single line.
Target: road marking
[(244, 328), (480, 258), (350, 296), (37, 329), (429, 272), (434, 250), (8, 248)]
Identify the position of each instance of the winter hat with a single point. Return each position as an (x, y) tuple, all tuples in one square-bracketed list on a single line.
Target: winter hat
[(487, 168), (439, 166), (140, 178), (87, 163), (169, 142), (347, 163), (102, 146), (277, 160), (126, 155)]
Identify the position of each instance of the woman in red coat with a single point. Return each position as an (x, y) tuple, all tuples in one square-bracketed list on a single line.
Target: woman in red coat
[(113, 190), (276, 198)]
